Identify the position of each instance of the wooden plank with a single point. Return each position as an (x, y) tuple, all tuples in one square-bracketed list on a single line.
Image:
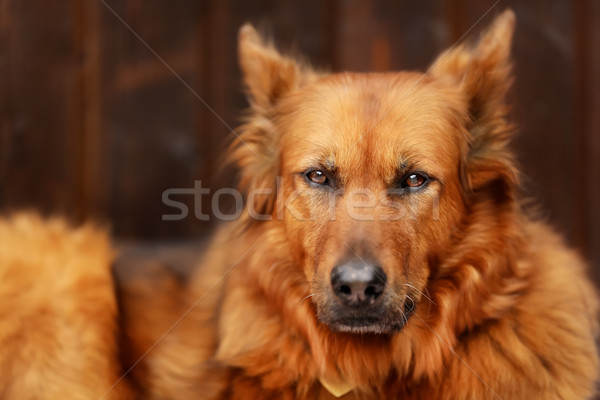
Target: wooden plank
[(5, 111), (148, 112), (382, 36), (218, 83), (93, 189), (588, 85), (304, 28), (593, 233), (418, 32), (39, 134), (353, 35)]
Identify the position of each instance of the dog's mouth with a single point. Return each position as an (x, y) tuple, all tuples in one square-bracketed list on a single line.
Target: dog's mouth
[(360, 299), (381, 320)]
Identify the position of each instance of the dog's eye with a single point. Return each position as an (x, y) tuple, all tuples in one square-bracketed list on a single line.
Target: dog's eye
[(414, 180), (317, 177)]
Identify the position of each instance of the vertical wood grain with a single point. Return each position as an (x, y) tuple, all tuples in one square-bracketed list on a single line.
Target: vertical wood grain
[(353, 31), (148, 111), (5, 100), (94, 183), (39, 129), (593, 143), (587, 45)]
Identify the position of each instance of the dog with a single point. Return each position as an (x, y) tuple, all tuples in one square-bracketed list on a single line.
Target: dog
[(384, 251)]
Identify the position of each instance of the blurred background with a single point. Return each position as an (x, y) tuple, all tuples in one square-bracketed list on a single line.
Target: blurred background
[(100, 108)]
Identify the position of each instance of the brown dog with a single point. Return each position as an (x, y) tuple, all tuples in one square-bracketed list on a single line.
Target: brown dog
[(384, 253), (396, 261)]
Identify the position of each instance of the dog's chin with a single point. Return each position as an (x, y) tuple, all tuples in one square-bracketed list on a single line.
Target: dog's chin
[(365, 326)]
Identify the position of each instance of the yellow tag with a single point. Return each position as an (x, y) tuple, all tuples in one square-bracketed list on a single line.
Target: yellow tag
[(338, 388)]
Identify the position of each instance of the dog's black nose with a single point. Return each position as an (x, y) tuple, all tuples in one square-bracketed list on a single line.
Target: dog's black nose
[(358, 284)]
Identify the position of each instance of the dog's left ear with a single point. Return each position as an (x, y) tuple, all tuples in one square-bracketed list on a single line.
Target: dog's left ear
[(483, 74)]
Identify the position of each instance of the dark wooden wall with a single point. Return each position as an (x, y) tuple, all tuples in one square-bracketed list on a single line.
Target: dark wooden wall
[(95, 123)]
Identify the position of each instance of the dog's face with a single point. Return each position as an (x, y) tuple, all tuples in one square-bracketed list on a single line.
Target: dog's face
[(374, 170), (370, 167)]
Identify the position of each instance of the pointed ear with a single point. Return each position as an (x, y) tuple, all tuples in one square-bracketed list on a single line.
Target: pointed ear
[(483, 74), (482, 70), (268, 75)]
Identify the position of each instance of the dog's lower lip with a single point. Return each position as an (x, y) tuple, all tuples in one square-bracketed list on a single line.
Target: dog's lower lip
[(365, 326), (358, 322)]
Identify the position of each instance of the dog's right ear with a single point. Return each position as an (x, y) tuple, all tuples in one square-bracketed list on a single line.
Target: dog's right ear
[(268, 75)]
